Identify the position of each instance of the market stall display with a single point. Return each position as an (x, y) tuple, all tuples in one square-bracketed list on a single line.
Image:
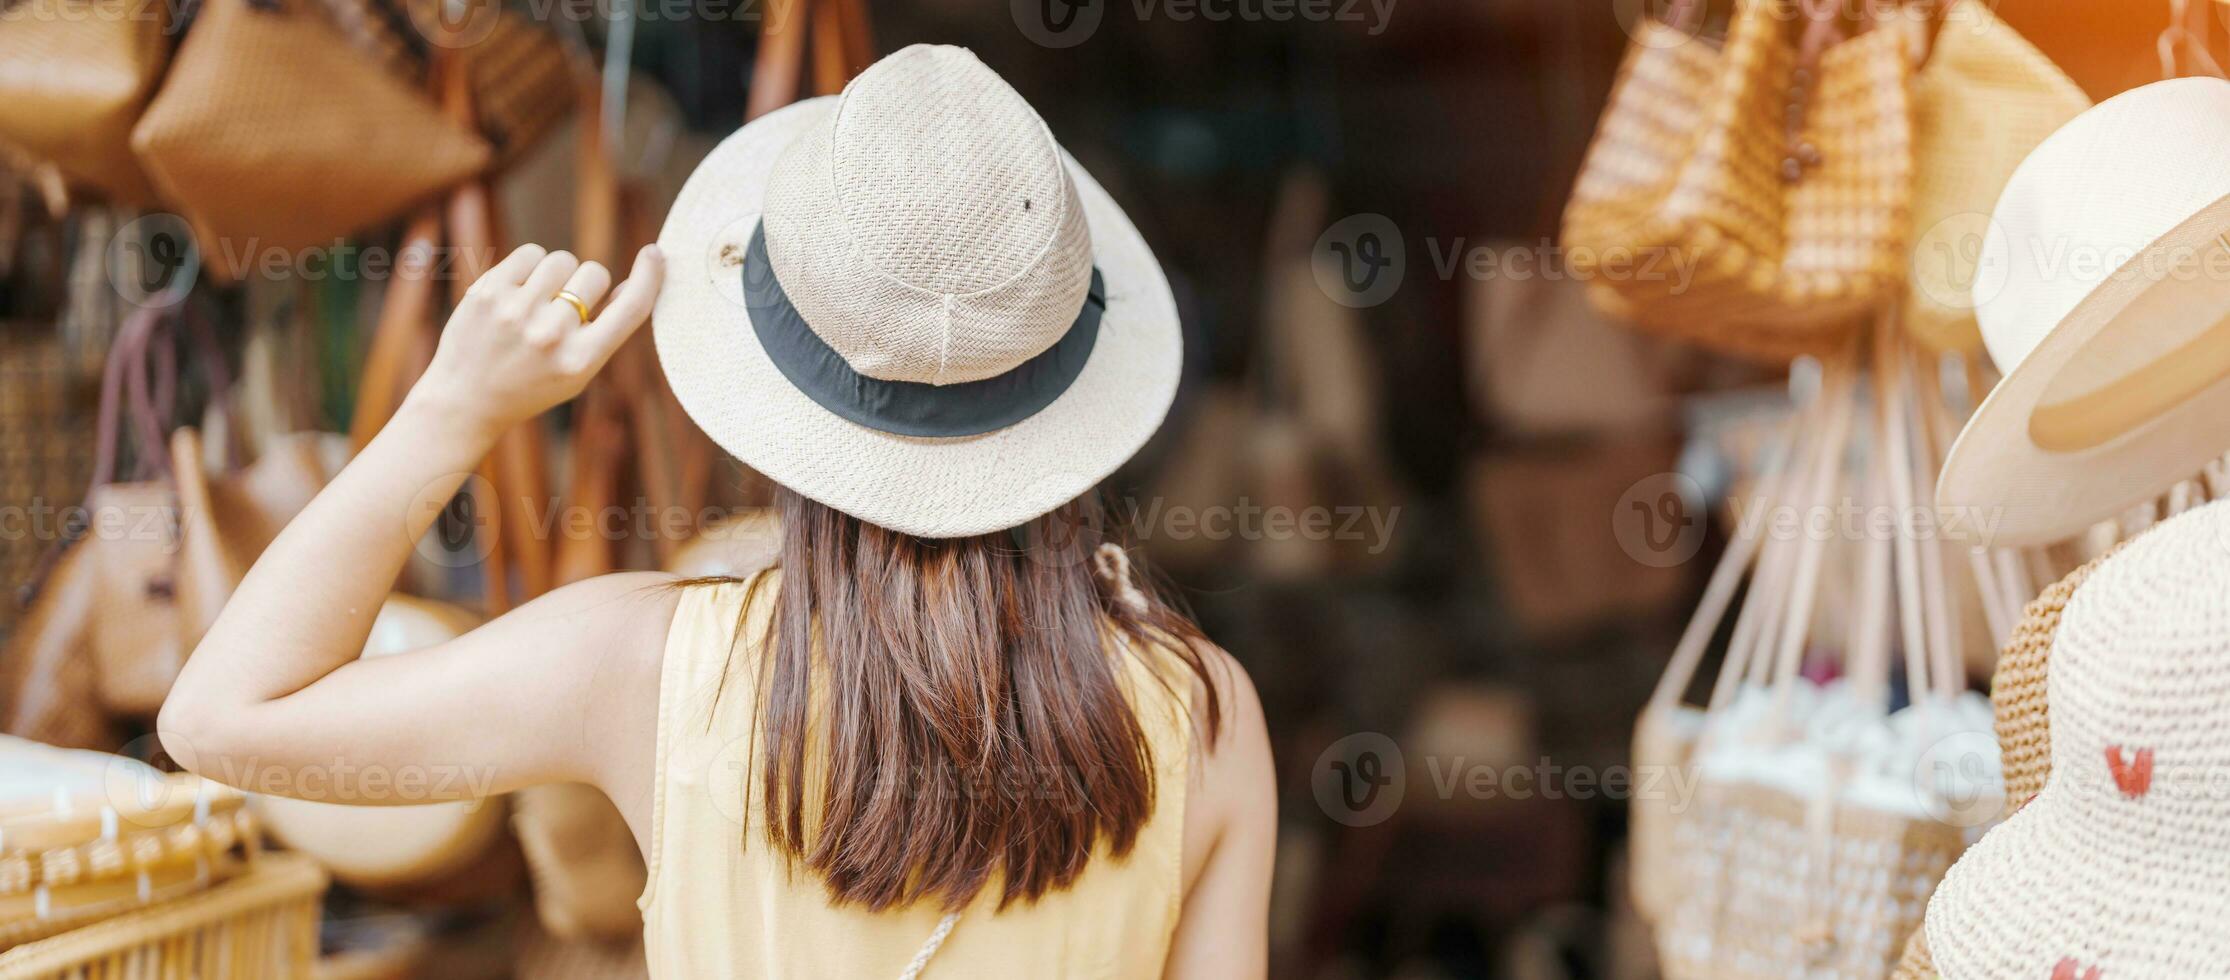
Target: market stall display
[(1543, 372)]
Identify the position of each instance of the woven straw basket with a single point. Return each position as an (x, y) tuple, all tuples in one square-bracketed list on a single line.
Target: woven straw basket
[(73, 859), (260, 925), (1685, 171), (78, 74), (1881, 869), (1664, 742), (2017, 691), (1985, 99)]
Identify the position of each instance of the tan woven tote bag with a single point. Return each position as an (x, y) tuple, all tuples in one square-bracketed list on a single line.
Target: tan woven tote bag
[(1666, 733), (1725, 203), (74, 75), (1776, 873), (272, 134), (1985, 98)]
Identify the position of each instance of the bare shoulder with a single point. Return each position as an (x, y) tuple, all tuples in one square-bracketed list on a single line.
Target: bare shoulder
[(1232, 784), (1239, 708), (1231, 825), (617, 626), (630, 611)]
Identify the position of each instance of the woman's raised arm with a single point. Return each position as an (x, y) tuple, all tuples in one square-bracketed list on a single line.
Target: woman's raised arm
[(276, 694)]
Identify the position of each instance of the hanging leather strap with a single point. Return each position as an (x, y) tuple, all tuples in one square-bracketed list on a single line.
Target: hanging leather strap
[(842, 47), (513, 473), (402, 342)]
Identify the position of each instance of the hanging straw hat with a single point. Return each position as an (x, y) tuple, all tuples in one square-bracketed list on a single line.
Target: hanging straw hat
[(2103, 290), (2116, 869), (907, 302)]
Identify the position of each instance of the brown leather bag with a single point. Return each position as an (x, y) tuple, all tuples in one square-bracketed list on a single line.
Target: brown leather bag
[(74, 76), (522, 79), (271, 134)]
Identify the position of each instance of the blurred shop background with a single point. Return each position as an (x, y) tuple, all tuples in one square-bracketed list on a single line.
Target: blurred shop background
[(1451, 518)]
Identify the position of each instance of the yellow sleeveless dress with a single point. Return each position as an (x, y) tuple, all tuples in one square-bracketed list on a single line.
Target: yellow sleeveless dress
[(722, 901)]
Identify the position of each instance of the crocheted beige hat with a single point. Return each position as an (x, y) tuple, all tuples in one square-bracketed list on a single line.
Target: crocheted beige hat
[(2103, 293), (2120, 867), (907, 302)]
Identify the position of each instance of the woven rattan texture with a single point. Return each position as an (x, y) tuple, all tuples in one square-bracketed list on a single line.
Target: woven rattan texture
[(254, 88), (1683, 221), (1752, 903), (1661, 746), (522, 84), (46, 448), (2017, 690), (74, 75), (932, 233), (2017, 698), (258, 926), (1984, 100)]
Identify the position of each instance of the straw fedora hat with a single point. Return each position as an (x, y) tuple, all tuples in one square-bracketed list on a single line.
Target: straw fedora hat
[(2117, 868), (2102, 294), (907, 302)]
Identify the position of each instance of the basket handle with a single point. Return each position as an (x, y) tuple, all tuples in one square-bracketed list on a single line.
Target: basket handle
[(1796, 626), (1737, 559)]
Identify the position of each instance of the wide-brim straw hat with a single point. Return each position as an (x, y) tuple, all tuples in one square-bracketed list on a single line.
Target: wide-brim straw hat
[(907, 302), (2102, 294), (2119, 865)]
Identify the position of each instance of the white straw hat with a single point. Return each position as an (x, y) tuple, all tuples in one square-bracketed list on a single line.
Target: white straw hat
[(2121, 865), (907, 302), (2102, 294)]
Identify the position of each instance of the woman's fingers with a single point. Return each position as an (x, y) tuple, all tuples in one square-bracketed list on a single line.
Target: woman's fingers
[(589, 283), (514, 268), (557, 317), (629, 307), (548, 277)]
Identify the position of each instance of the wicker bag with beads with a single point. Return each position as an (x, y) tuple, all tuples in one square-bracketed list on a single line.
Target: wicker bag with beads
[(1754, 198)]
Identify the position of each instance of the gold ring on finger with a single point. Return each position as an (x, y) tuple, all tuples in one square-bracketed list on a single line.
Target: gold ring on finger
[(566, 296)]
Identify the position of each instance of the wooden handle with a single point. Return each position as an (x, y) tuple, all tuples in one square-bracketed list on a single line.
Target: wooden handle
[(774, 75)]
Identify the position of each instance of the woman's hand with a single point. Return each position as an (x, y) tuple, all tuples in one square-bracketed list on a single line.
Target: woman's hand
[(514, 349)]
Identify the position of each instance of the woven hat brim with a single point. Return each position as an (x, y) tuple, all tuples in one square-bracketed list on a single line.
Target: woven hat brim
[(2045, 887), (929, 487), (2031, 495)]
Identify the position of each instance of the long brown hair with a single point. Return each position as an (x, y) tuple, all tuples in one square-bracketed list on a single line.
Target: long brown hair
[(973, 720)]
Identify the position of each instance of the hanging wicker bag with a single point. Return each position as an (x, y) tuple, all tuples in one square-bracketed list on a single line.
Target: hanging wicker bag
[(1754, 198)]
